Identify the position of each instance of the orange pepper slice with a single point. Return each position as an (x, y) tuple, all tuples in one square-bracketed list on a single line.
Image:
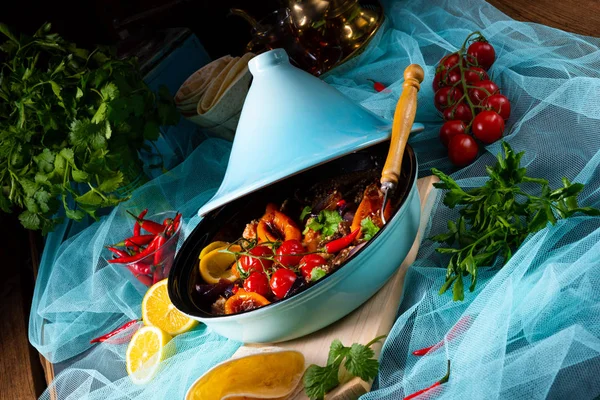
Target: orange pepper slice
[(244, 301), (274, 219), (370, 207)]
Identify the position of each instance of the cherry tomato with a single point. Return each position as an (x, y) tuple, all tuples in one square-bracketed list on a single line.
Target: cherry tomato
[(437, 82), (282, 281), (462, 149), (483, 52), (488, 126), (250, 264), (450, 60), (451, 77), (475, 74), (285, 253), (447, 132), (446, 96), (498, 103), (257, 282), (461, 111), (482, 90), (310, 262)]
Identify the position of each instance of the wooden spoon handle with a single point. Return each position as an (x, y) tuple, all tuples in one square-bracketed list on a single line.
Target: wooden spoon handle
[(404, 117)]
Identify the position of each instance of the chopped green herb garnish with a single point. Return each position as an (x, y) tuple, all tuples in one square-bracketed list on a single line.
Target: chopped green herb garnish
[(369, 229)]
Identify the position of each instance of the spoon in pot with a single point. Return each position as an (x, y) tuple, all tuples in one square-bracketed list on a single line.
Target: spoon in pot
[(404, 116), (374, 203)]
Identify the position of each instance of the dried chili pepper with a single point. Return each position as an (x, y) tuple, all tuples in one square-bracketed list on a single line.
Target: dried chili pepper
[(137, 226), (436, 384), (147, 225), (136, 257), (463, 322), (115, 332), (378, 86), (339, 244)]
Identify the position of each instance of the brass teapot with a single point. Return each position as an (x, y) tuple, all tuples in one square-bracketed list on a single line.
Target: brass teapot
[(317, 34)]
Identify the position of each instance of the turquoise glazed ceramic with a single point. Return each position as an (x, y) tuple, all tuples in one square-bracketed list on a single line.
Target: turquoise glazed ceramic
[(327, 300), (292, 121), (296, 130)]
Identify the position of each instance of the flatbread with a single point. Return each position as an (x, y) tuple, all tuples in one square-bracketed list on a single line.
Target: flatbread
[(231, 74), (191, 91)]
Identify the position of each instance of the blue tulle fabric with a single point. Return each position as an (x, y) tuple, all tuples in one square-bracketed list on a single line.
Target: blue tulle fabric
[(530, 330)]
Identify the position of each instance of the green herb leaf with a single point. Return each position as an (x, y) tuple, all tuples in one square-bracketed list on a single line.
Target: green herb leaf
[(305, 211), (336, 351), (111, 184), (369, 229), (29, 220), (320, 380), (316, 274), (327, 222), (498, 216), (360, 362)]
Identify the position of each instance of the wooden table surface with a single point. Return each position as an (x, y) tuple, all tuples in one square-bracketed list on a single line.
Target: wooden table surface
[(20, 372)]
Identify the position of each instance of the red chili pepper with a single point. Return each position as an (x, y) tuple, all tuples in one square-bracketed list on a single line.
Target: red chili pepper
[(340, 203), (176, 222), (378, 86), (150, 226), (115, 332), (438, 383), (143, 278), (118, 252), (136, 257), (341, 243), (139, 241), (137, 226), (463, 322), (158, 258), (167, 221)]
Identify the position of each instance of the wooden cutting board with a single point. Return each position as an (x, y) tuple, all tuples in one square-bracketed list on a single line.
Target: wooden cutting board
[(372, 319)]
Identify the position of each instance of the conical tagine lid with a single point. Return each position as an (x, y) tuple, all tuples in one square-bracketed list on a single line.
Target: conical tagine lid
[(291, 121)]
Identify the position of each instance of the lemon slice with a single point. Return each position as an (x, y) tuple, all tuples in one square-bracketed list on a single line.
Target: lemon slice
[(145, 352), (216, 265), (211, 247), (267, 375), (157, 310)]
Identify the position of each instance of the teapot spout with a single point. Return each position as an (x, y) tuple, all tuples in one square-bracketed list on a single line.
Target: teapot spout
[(241, 13)]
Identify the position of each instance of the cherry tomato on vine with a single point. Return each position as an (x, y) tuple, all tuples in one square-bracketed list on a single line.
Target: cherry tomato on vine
[(282, 281), (475, 74), (446, 96), (257, 282), (488, 126), (286, 253), (482, 90), (483, 52), (460, 111), (250, 264), (451, 129), (499, 103), (449, 61), (451, 77), (310, 262), (462, 150), (437, 82)]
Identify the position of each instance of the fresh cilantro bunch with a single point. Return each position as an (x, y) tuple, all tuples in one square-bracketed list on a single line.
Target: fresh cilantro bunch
[(327, 222), (358, 360), (72, 123), (497, 217)]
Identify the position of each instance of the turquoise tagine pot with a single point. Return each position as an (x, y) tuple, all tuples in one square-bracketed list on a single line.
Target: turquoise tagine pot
[(294, 129)]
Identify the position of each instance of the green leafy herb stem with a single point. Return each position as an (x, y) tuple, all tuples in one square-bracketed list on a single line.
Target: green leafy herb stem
[(358, 360), (497, 217)]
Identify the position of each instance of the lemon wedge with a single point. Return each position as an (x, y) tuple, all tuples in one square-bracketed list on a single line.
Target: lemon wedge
[(269, 375), (157, 310), (216, 265), (145, 352), (212, 246)]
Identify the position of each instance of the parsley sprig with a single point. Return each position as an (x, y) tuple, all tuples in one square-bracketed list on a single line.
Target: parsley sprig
[(72, 124), (497, 217), (327, 222), (358, 360)]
